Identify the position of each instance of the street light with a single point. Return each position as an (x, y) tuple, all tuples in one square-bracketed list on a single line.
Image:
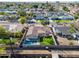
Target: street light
[(47, 47)]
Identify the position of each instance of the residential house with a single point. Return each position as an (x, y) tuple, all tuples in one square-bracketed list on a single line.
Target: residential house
[(33, 35), (63, 31), (13, 27)]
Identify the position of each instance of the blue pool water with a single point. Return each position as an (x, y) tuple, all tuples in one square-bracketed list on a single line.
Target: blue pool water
[(31, 42)]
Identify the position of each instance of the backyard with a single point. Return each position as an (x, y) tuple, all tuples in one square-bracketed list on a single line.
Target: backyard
[(47, 40), (62, 21), (57, 21), (7, 41)]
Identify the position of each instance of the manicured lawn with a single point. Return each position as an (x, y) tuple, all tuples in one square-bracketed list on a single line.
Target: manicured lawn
[(47, 40), (62, 21), (7, 41)]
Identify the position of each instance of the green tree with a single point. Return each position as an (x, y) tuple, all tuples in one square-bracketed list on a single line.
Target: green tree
[(66, 9), (2, 13), (22, 20), (35, 6), (3, 32), (7, 5), (72, 28), (18, 34), (77, 13), (22, 13), (76, 17)]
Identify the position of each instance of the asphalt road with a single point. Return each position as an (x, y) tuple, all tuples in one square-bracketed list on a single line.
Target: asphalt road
[(54, 47)]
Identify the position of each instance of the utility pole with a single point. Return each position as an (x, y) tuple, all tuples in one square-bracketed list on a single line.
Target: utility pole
[(12, 53)]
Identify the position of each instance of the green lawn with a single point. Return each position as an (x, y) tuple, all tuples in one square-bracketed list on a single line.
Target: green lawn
[(39, 21), (7, 41), (62, 21), (57, 21), (47, 40)]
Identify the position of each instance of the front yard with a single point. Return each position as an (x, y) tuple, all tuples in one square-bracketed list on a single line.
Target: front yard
[(65, 41), (47, 40)]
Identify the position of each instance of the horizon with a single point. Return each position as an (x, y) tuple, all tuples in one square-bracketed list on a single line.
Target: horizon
[(39, 1)]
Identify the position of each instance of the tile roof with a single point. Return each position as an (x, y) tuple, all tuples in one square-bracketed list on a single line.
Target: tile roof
[(34, 31)]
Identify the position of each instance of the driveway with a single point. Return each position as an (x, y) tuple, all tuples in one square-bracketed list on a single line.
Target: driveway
[(65, 41)]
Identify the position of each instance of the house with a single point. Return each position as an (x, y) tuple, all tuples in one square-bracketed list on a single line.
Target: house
[(39, 17), (60, 16), (65, 17), (53, 17), (11, 12), (33, 35), (63, 31), (13, 27)]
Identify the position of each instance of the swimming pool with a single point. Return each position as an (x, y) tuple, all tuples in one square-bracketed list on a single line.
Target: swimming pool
[(30, 42)]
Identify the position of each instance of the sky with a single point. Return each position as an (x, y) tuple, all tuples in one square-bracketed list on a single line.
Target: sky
[(37, 0)]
